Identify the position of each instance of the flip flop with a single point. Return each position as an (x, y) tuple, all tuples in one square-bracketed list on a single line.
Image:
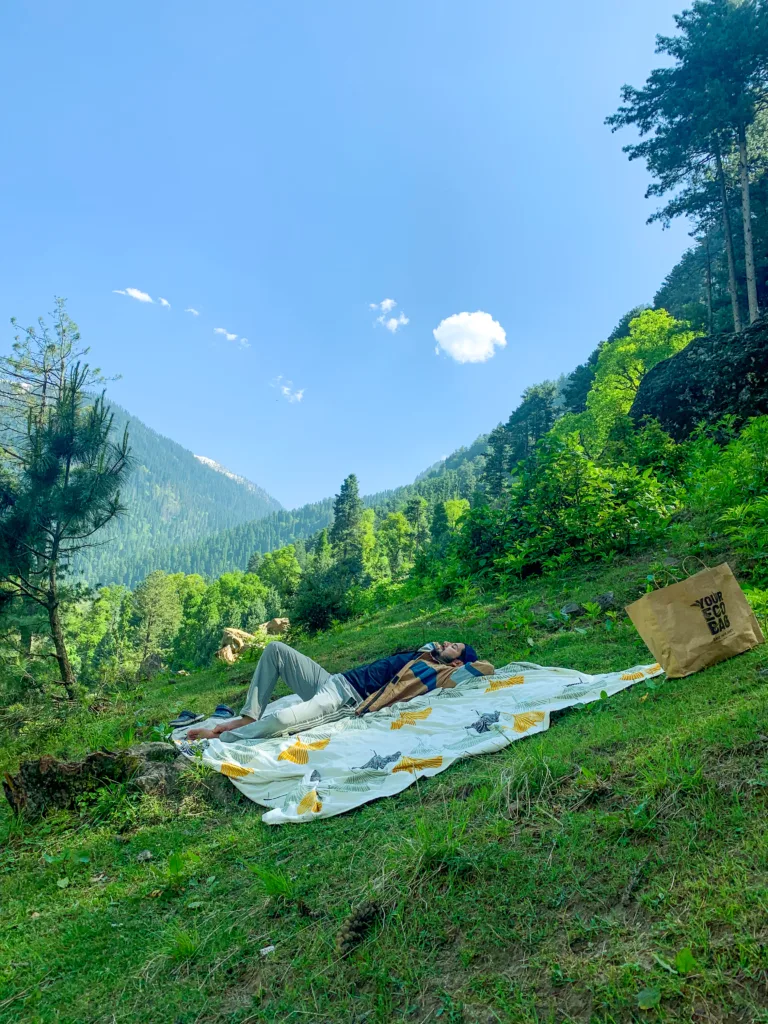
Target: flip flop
[(223, 711), (185, 718)]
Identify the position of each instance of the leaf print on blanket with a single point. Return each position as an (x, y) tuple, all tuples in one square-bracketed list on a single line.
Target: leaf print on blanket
[(295, 795), (417, 764), (298, 752), (423, 749), (361, 781), (310, 803), (575, 691), (234, 771), (410, 718), (502, 684), (474, 739), (527, 720)]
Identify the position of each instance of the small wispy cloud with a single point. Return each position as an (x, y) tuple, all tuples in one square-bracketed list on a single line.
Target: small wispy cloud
[(165, 303), (225, 332), (134, 293), (192, 310), (286, 389), (393, 323), (386, 306), (244, 343)]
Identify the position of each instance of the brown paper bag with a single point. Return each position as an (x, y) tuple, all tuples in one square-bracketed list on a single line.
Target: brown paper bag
[(696, 623)]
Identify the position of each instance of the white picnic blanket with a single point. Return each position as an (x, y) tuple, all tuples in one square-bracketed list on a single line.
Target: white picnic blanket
[(333, 768)]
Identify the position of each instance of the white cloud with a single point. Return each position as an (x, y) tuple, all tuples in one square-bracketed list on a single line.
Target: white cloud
[(244, 343), (437, 350), (165, 303), (392, 323), (191, 310), (286, 389), (140, 296), (386, 306), (225, 332), (470, 337), (118, 291)]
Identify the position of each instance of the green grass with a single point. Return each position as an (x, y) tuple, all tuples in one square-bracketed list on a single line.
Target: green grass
[(562, 879)]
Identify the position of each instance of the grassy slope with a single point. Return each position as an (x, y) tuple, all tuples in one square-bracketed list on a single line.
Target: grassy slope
[(552, 881)]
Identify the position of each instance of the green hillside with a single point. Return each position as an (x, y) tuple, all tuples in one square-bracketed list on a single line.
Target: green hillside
[(173, 498), (561, 879)]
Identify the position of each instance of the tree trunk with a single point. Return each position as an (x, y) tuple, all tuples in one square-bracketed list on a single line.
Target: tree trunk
[(710, 321), (746, 216), (25, 637), (65, 668), (732, 287)]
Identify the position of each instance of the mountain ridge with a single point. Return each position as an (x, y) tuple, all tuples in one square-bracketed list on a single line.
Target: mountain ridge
[(173, 497)]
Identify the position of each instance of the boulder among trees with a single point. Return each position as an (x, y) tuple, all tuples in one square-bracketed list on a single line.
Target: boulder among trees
[(725, 374)]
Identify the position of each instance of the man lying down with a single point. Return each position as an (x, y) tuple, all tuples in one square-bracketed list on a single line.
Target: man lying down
[(326, 697)]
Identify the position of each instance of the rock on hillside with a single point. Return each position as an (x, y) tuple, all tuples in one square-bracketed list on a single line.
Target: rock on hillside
[(710, 378)]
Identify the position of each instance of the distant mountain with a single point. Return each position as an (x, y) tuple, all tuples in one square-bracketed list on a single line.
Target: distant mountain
[(217, 466), (174, 498), (453, 477)]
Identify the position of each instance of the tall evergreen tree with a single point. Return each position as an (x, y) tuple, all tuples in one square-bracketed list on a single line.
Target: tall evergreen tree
[(156, 614), (416, 511), (347, 521), (496, 470), (693, 113), (254, 562), (61, 469)]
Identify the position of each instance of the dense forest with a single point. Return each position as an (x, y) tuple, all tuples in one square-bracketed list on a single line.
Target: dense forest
[(456, 477), (570, 477)]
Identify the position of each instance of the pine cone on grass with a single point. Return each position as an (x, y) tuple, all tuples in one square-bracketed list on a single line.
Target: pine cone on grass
[(354, 927)]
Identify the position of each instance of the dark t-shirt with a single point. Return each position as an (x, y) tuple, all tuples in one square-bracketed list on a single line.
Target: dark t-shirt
[(367, 679)]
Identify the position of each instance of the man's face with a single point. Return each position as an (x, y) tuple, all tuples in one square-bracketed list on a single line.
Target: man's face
[(447, 653)]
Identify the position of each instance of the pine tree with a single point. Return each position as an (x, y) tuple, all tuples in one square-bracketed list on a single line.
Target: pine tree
[(323, 555), (496, 472), (156, 614), (254, 562), (416, 511), (440, 530), (347, 520), (692, 114), (61, 471)]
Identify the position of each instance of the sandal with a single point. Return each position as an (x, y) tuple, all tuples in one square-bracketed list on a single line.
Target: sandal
[(223, 711), (185, 718)]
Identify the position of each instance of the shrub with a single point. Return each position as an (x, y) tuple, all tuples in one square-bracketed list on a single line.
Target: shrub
[(565, 507)]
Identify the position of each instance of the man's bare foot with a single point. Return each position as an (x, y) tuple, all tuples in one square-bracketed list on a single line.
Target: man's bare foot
[(201, 734), (236, 723), (211, 734)]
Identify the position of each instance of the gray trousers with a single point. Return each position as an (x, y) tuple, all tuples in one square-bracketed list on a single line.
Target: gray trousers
[(323, 695)]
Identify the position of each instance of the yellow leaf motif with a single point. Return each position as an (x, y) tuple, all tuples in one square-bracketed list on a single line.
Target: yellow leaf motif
[(500, 684), (410, 718), (234, 771), (417, 764), (652, 669), (527, 720), (298, 752), (632, 675), (310, 803)]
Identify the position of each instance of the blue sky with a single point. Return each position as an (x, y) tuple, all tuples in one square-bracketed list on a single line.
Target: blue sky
[(282, 167)]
